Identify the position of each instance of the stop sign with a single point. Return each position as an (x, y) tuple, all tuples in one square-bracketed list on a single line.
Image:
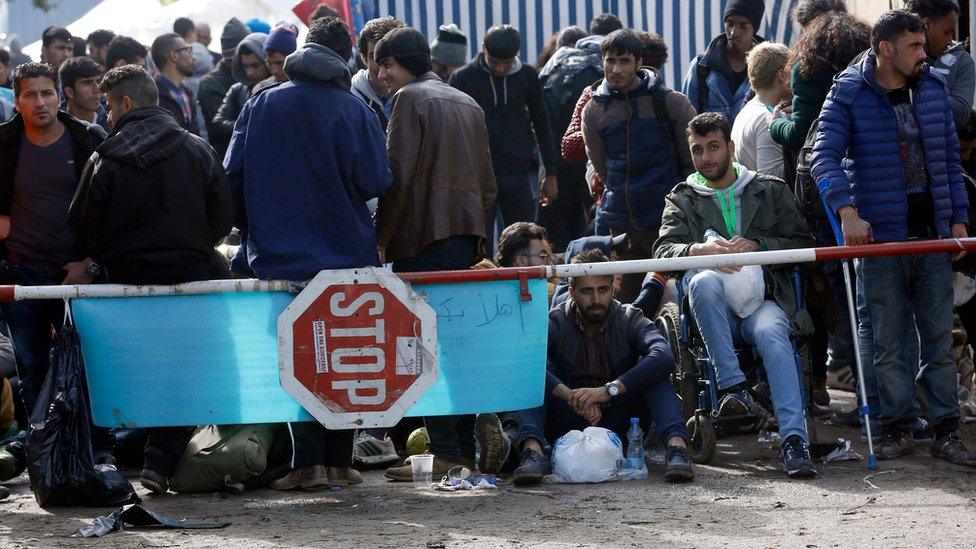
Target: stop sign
[(357, 348)]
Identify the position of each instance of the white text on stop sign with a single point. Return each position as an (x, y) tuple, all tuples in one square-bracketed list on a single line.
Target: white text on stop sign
[(362, 391)]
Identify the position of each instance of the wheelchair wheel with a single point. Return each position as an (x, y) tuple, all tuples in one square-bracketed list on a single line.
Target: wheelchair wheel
[(703, 439), (685, 377)]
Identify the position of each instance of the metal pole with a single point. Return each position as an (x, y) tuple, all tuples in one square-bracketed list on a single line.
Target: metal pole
[(864, 409)]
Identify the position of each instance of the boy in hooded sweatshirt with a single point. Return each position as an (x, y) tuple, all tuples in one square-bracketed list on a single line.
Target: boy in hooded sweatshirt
[(750, 212), (250, 67)]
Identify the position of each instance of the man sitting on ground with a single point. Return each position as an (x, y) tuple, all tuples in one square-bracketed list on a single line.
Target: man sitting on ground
[(607, 363), (751, 212)]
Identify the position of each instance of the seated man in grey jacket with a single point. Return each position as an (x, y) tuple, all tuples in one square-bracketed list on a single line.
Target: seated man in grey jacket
[(606, 364)]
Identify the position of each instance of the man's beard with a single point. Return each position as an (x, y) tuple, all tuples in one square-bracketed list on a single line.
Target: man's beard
[(595, 314)]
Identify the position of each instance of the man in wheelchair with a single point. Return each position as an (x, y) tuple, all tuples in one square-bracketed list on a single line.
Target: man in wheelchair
[(606, 364), (748, 212)]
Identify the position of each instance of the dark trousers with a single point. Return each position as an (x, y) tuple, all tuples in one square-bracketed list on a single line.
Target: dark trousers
[(639, 246), (313, 444), (515, 202), (656, 402), (450, 437), (567, 217)]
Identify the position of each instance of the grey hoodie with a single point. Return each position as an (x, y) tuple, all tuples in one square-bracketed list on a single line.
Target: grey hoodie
[(253, 44), (362, 89), (745, 177), (315, 63), (959, 71)]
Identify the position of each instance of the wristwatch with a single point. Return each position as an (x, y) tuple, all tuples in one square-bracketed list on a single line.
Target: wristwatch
[(94, 269), (612, 389)]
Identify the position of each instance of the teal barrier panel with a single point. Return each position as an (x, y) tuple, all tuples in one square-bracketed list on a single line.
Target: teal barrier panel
[(213, 359)]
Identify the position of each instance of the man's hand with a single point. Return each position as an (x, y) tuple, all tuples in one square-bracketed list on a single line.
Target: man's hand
[(4, 227), (740, 244), (713, 247), (784, 108), (857, 232), (381, 250), (593, 414), (959, 231), (548, 191), (77, 273), (580, 399)]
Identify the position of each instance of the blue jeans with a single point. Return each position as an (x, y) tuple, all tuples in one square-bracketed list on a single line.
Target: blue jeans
[(656, 402), (900, 292), (767, 330)]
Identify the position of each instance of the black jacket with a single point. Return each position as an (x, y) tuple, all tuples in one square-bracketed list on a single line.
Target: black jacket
[(213, 88), (513, 133), (84, 138), (170, 105), (153, 199)]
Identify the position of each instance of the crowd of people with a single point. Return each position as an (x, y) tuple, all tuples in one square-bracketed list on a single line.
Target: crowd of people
[(133, 164)]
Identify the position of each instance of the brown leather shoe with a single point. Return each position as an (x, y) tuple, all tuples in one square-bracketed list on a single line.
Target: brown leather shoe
[(303, 478), (343, 476), (404, 473)]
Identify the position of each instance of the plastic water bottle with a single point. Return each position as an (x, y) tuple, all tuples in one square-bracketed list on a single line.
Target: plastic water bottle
[(711, 233), (635, 446)]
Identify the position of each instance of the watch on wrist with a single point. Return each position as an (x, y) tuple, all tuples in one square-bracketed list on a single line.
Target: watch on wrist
[(94, 269), (612, 389)]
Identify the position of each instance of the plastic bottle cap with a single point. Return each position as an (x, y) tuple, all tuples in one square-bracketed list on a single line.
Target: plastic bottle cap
[(634, 420)]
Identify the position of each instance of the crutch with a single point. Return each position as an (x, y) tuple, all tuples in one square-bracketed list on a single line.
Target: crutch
[(864, 409)]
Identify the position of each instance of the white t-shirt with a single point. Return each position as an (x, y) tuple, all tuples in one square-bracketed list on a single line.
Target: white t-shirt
[(754, 147)]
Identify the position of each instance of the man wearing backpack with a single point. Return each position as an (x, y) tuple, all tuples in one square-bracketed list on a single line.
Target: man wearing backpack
[(716, 80), (633, 129)]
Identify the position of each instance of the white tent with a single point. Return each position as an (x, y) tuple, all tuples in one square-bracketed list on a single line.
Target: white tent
[(144, 20)]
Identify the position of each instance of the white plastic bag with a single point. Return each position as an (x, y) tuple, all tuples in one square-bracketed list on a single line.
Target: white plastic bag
[(745, 289), (963, 289), (592, 455)]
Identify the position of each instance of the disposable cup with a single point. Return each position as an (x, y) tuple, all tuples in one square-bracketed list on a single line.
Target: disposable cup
[(423, 469)]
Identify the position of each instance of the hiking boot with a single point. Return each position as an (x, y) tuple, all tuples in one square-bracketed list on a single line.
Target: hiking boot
[(951, 449), (493, 442), (404, 473), (4, 493), (154, 482), (533, 467), (371, 451), (342, 476), (738, 402), (895, 445), (795, 453), (678, 465), (303, 478), (922, 433)]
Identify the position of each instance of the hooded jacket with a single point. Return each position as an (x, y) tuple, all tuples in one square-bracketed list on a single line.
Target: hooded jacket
[(362, 89), (152, 201), (238, 94), (857, 157), (515, 114), (304, 158), (765, 212), (959, 71), (721, 97), (638, 156), (443, 184)]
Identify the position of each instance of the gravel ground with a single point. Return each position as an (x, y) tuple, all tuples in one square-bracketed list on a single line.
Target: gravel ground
[(741, 499)]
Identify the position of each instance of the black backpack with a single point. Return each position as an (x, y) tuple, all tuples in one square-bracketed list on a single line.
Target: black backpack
[(804, 187)]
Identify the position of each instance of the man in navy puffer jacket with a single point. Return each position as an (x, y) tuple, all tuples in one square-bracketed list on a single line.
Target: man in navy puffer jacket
[(886, 161)]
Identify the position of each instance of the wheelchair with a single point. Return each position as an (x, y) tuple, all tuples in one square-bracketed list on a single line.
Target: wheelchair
[(694, 378)]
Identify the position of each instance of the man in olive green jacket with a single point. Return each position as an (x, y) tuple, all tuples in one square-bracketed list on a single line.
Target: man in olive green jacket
[(749, 212)]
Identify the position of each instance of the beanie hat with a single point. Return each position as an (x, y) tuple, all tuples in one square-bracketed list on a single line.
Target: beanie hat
[(282, 39), (257, 25), (752, 10), (450, 48), (234, 32)]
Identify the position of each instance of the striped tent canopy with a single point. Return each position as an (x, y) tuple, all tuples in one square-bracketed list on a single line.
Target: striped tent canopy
[(687, 26)]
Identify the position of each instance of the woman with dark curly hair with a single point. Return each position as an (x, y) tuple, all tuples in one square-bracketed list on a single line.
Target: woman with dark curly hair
[(808, 10), (825, 48)]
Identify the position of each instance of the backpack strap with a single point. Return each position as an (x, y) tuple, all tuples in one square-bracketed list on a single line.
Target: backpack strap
[(659, 97), (702, 71)]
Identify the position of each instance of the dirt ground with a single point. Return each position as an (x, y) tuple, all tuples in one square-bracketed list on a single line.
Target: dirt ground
[(741, 499)]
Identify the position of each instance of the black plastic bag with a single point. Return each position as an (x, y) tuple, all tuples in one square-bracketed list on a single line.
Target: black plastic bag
[(135, 515), (59, 442)]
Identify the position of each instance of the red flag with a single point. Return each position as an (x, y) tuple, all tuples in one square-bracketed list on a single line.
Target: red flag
[(304, 8)]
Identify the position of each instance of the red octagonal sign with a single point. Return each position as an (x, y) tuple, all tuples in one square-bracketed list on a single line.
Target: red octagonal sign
[(357, 348)]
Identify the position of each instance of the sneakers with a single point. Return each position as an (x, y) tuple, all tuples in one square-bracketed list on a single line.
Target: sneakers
[(371, 451), (342, 476), (951, 449), (850, 418), (738, 402), (303, 478), (895, 445), (795, 453), (678, 465), (404, 473), (841, 378), (922, 433), (493, 442), (533, 467), (154, 482)]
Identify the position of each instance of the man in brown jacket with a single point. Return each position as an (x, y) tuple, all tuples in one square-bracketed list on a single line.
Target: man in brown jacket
[(433, 216)]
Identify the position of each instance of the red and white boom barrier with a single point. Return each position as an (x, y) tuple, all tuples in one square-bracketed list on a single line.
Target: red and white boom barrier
[(777, 257)]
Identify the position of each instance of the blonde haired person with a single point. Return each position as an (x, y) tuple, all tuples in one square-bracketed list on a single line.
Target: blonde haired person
[(770, 78)]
